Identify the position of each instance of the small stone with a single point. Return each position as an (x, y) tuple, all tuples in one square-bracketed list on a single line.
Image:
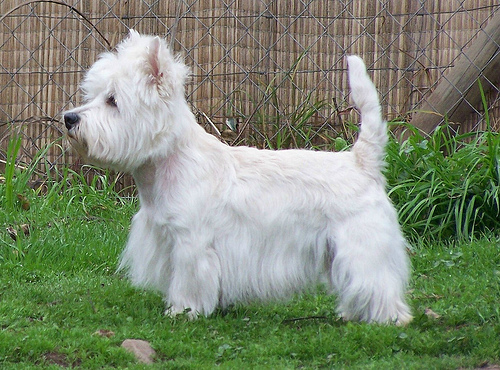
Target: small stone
[(141, 349)]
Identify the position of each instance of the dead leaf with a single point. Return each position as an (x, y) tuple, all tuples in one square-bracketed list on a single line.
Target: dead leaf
[(25, 229), (431, 314), (12, 232), (25, 203), (104, 333)]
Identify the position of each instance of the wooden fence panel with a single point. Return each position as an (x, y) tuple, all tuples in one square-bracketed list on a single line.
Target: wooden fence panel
[(258, 63)]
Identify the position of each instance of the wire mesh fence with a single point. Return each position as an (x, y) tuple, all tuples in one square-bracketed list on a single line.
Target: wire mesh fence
[(264, 73)]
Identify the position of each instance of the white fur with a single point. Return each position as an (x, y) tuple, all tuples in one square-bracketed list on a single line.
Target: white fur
[(220, 224)]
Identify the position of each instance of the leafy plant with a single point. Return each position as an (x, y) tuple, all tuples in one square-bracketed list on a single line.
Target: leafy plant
[(17, 176), (445, 185)]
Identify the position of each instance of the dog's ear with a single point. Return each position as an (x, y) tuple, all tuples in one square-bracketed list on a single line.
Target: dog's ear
[(154, 59), (167, 72)]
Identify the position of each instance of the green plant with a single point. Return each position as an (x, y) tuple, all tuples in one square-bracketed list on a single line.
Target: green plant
[(296, 132), (282, 122), (17, 176), (445, 185), (100, 192)]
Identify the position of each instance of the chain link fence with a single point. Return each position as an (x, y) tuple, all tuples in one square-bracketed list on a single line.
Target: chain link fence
[(264, 73)]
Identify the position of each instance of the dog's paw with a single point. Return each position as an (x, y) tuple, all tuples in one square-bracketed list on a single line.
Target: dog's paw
[(174, 312), (403, 319)]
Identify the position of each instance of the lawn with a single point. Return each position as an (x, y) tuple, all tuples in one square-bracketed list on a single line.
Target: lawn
[(63, 304)]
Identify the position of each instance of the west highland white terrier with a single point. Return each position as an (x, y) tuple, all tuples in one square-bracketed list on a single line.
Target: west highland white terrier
[(221, 224)]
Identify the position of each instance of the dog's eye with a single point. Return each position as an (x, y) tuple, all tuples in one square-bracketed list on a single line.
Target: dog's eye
[(111, 101)]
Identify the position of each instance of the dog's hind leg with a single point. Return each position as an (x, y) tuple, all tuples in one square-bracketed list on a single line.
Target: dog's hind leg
[(370, 271), (195, 281)]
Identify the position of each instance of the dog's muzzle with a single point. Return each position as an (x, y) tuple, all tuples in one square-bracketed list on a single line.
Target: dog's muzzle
[(71, 120)]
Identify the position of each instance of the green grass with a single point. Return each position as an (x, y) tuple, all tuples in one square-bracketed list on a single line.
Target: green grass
[(58, 287)]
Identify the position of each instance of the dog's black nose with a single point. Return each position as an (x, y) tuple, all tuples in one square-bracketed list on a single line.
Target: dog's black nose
[(70, 120)]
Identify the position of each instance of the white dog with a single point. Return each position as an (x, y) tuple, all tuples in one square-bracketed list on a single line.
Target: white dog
[(220, 224)]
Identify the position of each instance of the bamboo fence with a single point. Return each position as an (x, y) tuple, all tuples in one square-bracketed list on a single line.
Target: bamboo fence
[(258, 63)]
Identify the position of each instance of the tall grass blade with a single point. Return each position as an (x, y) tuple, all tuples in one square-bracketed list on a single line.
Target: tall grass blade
[(10, 168)]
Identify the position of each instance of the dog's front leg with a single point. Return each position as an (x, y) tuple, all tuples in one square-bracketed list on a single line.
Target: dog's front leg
[(195, 281)]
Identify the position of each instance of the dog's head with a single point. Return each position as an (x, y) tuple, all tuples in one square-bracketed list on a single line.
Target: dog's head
[(130, 98)]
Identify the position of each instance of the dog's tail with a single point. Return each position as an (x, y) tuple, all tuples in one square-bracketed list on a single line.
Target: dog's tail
[(369, 149)]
